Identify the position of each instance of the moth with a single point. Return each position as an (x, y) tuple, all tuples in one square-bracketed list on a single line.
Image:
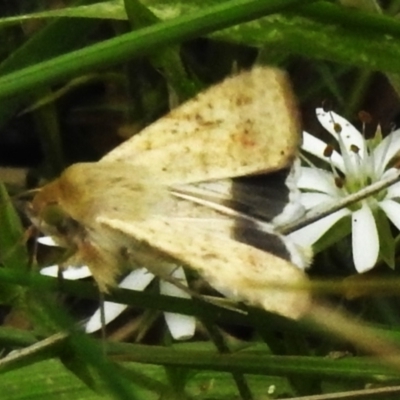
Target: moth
[(185, 190)]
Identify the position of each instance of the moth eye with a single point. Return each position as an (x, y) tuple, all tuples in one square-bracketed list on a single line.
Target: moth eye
[(68, 226), (53, 216)]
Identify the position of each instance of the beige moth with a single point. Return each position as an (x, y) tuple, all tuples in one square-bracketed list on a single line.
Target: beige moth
[(161, 197)]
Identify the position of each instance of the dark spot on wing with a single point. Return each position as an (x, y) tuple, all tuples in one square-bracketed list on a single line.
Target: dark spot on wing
[(261, 196), (248, 233)]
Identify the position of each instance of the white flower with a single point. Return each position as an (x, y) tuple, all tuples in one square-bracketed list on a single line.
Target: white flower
[(182, 327), (359, 163)]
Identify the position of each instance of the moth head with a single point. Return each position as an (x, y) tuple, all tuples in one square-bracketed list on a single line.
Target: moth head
[(82, 245), (66, 196), (47, 214), (70, 208)]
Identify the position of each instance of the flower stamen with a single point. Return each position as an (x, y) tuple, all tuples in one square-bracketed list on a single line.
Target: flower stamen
[(328, 151), (337, 127), (339, 182)]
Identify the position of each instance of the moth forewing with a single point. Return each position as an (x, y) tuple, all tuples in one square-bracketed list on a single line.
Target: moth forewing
[(241, 271), (85, 189), (246, 124)]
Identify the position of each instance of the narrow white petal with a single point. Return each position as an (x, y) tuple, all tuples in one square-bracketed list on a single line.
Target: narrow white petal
[(392, 209), (349, 134), (182, 327), (70, 273), (393, 191), (390, 173), (76, 273), (138, 279), (170, 289), (365, 240), (311, 233), (47, 241), (386, 150), (317, 147), (111, 311), (318, 180), (293, 208), (310, 199), (52, 270)]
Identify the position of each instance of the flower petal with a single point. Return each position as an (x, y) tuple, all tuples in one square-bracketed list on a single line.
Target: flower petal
[(389, 173), (182, 327), (365, 239), (317, 147), (318, 180), (311, 233), (52, 270), (392, 209), (138, 279), (385, 151), (47, 241), (111, 311), (393, 191), (70, 273), (310, 200), (169, 289), (293, 208), (349, 134)]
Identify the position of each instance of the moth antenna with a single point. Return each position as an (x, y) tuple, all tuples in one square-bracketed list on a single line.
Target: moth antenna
[(26, 193)]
